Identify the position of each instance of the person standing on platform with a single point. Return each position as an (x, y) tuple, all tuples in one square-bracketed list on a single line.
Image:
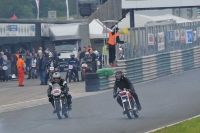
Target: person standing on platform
[(21, 70), (113, 40)]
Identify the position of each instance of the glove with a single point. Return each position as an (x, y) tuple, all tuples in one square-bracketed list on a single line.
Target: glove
[(49, 95), (65, 91)]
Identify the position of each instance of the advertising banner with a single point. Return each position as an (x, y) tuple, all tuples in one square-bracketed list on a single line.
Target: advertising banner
[(177, 35), (183, 36), (189, 36), (161, 41), (16, 30), (150, 39), (170, 35)]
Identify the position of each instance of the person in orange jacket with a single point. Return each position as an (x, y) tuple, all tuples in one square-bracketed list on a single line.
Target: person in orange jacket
[(113, 40), (21, 70), (89, 48)]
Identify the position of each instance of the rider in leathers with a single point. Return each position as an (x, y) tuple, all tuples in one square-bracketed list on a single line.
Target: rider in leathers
[(122, 82), (51, 63), (74, 61), (88, 59), (57, 79)]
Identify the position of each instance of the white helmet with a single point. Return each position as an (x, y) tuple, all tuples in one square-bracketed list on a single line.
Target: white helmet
[(72, 55), (96, 52), (56, 77), (87, 54)]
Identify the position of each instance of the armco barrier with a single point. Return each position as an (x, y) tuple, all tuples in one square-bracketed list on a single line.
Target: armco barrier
[(155, 66)]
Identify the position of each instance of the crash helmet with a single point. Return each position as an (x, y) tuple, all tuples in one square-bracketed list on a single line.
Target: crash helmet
[(56, 77), (96, 52), (50, 57), (119, 75), (87, 54), (72, 55)]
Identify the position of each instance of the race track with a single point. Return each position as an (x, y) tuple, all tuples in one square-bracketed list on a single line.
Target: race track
[(164, 101)]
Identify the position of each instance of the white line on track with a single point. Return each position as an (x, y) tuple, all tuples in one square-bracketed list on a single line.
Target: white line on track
[(171, 124), (42, 101)]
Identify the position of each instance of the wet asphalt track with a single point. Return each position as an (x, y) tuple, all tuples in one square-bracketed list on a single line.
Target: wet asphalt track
[(164, 101)]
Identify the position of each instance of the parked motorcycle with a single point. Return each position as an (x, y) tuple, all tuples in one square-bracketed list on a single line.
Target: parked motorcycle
[(70, 73), (129, 104), (3, 73), (84, 69), (60, 102)]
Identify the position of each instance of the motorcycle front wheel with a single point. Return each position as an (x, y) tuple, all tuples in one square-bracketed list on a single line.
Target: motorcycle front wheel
[(128, 112), (58, 109), (65, 110)]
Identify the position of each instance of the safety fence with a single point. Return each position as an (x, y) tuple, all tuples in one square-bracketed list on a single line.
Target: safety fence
[(155, 66), (157, 39)]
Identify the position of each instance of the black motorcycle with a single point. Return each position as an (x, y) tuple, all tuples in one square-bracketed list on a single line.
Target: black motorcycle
[(60, 102), (70, 73)]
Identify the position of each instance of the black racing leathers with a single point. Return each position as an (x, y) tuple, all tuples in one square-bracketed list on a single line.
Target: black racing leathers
[(64, 88), (125, 83), (88, 61)]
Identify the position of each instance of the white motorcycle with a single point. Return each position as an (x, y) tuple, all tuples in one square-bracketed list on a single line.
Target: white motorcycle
[(60, 102)]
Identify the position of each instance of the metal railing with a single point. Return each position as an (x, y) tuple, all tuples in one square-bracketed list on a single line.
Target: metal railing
[(151, 40)]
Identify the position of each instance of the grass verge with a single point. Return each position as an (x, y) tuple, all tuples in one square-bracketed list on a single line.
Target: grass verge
[(189, 126)]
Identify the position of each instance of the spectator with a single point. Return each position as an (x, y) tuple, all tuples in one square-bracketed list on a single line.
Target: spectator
[(94, 63), (4, 61), (20, 51), (89, 48), (8, 54), (33, 51), (82, 54), (47, 53), (40, 50), (41, 67), (28, 60), (92, 55), (55, 55), (15, 59)]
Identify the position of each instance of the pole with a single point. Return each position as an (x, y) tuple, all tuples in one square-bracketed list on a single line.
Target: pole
[(38, 6), (77, 9), (67, 9), (132, 19), (38, 13)]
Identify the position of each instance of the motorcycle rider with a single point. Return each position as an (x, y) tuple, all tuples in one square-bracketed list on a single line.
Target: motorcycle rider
[(65, 89), (122, 82), (32, 65), (73, 61), (51, 63)]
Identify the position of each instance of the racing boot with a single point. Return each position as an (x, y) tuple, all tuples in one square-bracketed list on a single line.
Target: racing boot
[(139, 107), (69, 107), (54, 111)]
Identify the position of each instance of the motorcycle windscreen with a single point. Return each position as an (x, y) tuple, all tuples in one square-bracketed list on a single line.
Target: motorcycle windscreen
[(56, 91)]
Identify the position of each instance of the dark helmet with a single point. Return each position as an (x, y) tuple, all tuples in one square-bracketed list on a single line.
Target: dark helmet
[(119, 75)]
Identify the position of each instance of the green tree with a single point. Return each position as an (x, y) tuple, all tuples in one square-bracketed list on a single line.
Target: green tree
[(28, 9)]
